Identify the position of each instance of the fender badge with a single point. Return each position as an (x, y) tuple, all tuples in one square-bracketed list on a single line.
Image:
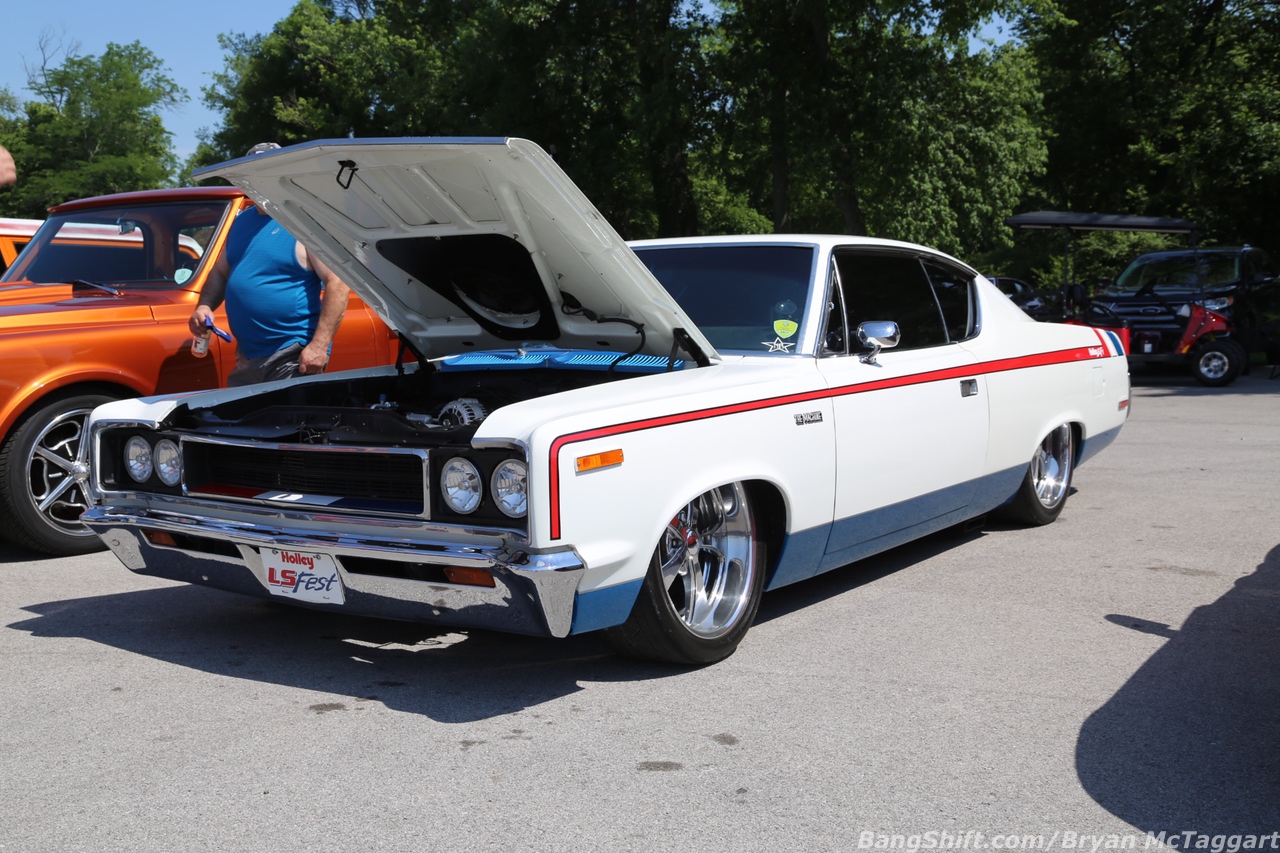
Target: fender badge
[(808, 418)]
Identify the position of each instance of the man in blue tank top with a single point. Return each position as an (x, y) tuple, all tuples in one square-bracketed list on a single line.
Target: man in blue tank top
[(8, 172), (272, 288)]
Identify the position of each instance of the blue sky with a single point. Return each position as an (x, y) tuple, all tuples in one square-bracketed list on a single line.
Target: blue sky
[(184, 36)]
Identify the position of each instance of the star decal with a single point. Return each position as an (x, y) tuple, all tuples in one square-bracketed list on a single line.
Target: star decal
[(778, 345)]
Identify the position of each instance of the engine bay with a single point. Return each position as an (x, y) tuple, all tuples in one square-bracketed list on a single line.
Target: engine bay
[(419, 407)]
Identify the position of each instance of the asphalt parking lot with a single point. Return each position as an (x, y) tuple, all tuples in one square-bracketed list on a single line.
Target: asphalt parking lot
[(1114, 673)]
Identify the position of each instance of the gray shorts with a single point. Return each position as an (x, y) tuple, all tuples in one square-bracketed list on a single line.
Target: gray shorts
[(281, 364)]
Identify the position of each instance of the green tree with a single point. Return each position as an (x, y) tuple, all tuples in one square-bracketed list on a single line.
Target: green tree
[(95, 128), (1165, 109), (327, 70), (870, 117), (873, 117), (616, 88)]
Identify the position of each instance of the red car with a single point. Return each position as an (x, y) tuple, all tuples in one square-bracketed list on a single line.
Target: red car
[(94, 309)]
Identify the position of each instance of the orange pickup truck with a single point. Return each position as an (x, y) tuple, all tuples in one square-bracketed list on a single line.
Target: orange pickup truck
[(94, 309), (15, 234)]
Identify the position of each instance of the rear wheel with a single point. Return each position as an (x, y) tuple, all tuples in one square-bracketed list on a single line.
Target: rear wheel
[(1044, 489), (703, 586), (44, 477), (1218, 363)]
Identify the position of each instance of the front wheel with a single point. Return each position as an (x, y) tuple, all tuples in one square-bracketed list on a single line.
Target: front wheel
[(44, 476), (703, 586), (1047, 483), (1218, 363)]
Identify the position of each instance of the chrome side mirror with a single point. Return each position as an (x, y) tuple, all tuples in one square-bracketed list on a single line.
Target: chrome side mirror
[(878, 335)]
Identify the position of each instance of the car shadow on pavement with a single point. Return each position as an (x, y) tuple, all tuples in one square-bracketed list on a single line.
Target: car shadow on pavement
[(797, 596), (1192, 740), (1164, 382), (448, 675)]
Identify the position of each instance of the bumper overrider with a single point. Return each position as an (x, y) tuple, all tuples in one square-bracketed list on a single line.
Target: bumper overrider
[(394, 577)]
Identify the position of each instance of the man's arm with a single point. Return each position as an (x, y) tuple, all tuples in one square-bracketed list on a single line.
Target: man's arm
[(8, 171), (211, 296), (333, 307)]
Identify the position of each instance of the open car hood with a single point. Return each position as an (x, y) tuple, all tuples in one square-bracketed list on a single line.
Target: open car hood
[(467, 244)]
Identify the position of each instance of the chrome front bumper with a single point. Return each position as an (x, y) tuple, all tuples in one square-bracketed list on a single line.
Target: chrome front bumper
[(533, 592)]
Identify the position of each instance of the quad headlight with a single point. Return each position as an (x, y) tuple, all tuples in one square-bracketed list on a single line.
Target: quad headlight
[(142, 460), (168, 462), (137, 459), (461, 485), (509, 485)]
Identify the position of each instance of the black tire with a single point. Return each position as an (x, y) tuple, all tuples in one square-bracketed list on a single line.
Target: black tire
[(43, 477), (703, 586), (1047, 484), (1218, 363)]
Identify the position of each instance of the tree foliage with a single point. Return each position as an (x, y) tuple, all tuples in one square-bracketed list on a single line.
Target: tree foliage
[(94, 128), (692, 117), (1165, 109), (769, 113)]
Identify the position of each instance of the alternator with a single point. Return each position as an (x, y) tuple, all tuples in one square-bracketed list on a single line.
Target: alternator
[(462, 412)]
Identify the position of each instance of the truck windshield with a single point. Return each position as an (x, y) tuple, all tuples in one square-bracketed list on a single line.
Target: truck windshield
[(159, 244), (1178, 272)]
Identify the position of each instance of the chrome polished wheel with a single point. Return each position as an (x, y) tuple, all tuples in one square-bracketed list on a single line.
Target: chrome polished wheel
[(44, 477), (707, 561), (58, 472), (1213, 365), (1051, 466), (1218, 363)]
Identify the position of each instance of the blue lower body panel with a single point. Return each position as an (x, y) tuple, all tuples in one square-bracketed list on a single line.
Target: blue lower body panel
[(810, 552), (604, 608)]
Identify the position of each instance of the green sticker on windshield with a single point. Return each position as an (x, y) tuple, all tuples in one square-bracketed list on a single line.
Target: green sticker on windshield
[(181, 276), (785, 328)]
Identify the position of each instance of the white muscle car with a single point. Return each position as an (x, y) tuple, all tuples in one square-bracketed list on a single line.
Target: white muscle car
[(583, 435)]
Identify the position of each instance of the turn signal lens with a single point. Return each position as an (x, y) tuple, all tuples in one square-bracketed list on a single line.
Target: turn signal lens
[(599, 460), (468, 577), (137, 459), (159, 537)]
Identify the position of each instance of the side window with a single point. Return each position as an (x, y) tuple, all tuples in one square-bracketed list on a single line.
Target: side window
[(1263, 264), (891, 287), (954, 290)]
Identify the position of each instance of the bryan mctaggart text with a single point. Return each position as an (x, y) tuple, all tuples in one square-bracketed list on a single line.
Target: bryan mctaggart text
[(1069, 840)]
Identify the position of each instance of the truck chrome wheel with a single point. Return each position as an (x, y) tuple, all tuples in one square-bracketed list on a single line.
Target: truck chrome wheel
[(707, 561), (1213, 365), (1051, 467), (44, 478), (1218, 363)]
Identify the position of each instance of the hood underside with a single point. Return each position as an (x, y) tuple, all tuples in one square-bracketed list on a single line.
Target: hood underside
[(467, 244)]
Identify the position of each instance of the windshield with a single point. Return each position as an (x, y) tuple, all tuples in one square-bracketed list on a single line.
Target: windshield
[(153, 244), (745, 298), (1181, 272)]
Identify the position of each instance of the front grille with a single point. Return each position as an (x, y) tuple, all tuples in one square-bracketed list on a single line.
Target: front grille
[(377, 480)]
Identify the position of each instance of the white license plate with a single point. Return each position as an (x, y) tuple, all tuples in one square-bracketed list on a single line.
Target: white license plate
[(301, 576)]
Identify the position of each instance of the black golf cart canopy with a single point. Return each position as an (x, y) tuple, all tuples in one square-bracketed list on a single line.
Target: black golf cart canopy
[(1069, 223), (1049, 219)]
